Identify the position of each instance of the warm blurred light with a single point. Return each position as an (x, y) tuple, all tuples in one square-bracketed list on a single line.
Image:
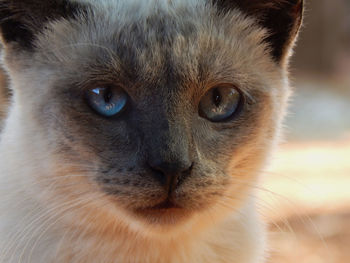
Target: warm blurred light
[(306, 192)]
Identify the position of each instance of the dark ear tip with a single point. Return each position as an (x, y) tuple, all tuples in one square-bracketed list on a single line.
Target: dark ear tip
[(22, 20), (282, 19)]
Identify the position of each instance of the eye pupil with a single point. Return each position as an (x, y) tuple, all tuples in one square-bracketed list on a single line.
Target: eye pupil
[(107, 101), (108, 95), (217, 97), (220, 103)]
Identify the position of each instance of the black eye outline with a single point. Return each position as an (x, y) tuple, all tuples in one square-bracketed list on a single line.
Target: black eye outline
[(94, 93), (217, 99)]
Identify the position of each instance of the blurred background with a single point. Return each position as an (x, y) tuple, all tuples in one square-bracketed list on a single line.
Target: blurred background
[(306, 193), (305, 198)]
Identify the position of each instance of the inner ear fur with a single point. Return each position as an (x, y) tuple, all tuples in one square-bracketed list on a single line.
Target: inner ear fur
[(282, 18), (21, 20)]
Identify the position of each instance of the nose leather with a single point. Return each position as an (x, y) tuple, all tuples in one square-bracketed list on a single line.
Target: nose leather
[(170, 174)]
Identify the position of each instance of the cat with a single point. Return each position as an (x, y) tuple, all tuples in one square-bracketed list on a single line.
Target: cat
[(137, 130)]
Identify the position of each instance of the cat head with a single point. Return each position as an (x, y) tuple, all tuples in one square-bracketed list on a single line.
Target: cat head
[(159, 111)]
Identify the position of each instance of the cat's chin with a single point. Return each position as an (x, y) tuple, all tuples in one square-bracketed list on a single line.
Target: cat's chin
[(164, 213)]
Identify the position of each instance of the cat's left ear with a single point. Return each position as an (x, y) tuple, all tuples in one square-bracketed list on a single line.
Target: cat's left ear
[(282, 18), (22, 20)]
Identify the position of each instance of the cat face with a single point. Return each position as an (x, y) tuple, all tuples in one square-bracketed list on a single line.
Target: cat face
[(164, 110)]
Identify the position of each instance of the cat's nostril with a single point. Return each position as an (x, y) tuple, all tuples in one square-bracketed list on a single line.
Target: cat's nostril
[(170, 167), (170, 175)]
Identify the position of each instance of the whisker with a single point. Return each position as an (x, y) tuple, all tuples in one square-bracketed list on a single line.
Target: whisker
[(85, 202), (24, 233)]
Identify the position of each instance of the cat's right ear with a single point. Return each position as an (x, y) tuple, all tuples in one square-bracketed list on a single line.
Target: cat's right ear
[(22, 20)]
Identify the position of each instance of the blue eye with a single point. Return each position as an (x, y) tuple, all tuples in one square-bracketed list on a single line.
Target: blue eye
[(221, 103), (107, 101)]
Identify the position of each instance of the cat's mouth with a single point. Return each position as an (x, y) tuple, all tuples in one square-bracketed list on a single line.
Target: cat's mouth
[(165, 212), (167, 204)]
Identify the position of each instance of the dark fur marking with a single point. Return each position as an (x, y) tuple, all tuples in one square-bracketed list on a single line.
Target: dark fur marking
[(21, 20), (281, 17), (106, 180), (126, 182)]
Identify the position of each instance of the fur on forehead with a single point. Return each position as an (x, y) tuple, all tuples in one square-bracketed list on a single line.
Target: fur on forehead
[(190, 37), (22, 21)]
